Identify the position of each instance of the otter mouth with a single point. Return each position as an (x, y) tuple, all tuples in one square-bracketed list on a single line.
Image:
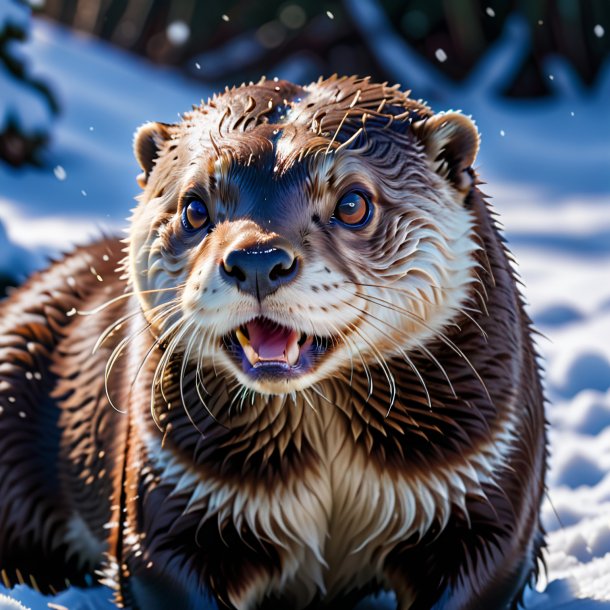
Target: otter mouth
[(264, 348)]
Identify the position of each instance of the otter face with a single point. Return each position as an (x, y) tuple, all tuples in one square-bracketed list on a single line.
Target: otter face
[(289, 234)]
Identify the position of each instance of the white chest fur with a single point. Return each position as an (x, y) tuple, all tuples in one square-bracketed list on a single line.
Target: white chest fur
[(334, 525)]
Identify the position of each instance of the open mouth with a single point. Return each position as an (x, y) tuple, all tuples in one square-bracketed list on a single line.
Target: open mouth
[(266, 348)]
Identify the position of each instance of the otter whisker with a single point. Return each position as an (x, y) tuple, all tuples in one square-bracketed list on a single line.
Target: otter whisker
[(238, 391), (169, 353), (308, 400), (404, 355), (365, 366), (213, 334), (314, 388), (408, 360), (435, 361), (116, 353), (199, 361), (126, 295), (442, 337), (159, 374), (463, 310), (114, 356), (379, 357), (406, 291), (199, 385), (149, 351), (243, 398), (420, 345), (155, 383), (420, 320), (438, 334), (160, 371), (133, 335), (348, 341), (166, 433), (471, 318), (109, 330), (184, 364), (343, 338)]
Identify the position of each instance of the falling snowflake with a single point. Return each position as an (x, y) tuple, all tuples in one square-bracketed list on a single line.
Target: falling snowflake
[(225, 17), (490, 11), (502, 132), (440, 55), (60, 172), (330, 15), (598, 30), (178, 32)]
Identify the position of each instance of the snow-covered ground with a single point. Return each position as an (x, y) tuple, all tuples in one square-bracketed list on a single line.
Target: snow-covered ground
[(547, 164)]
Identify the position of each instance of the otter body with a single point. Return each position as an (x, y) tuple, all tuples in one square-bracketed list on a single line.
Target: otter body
[(309, 378)]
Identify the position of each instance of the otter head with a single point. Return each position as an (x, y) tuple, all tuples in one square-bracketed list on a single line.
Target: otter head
[(289, 234)]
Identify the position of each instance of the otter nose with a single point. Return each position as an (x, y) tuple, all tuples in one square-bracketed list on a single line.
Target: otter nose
[(259, 270)]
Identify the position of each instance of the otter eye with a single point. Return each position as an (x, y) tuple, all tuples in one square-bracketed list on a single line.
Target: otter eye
[(353, 210), (195, 215)]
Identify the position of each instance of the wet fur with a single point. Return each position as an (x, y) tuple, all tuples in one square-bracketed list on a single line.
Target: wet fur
[(412, 458)]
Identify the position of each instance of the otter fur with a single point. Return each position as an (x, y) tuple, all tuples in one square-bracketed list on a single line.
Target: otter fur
[(307, 374)]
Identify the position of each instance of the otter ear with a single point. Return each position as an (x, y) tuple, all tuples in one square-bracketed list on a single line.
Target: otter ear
[(451, 141), (146, 144)]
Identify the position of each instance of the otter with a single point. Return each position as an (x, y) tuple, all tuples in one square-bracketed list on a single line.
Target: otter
[(305, 376)]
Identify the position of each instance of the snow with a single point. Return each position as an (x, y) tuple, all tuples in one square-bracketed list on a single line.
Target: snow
[(6, 603), (14, 15), (178, 32), (543, 145), (94, 131), (545, 163), (20, 103), (60, 172), (15, 261), (440, 55)]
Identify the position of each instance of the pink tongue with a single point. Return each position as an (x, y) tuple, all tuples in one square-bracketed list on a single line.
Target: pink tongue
[(268, 339)]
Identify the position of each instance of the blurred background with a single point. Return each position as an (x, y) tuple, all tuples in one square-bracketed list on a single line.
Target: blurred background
[(77, 77), (227, 42), (239, 40)]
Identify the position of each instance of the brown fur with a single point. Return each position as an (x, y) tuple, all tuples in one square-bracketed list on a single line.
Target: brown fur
[(417, 468)]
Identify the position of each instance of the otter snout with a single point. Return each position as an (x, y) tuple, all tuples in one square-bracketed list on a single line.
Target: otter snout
[(259, 270)]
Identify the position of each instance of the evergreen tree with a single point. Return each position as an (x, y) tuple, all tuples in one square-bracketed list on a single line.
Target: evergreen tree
[(27, 107)]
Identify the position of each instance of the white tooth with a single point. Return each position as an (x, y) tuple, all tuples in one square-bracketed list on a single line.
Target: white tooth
[(251, 355), (292, 352)]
